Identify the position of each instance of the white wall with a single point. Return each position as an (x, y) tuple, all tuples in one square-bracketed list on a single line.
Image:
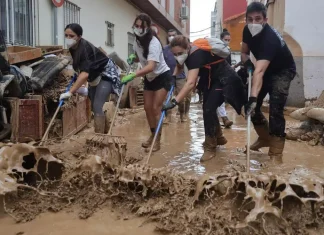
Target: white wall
[(93, 15), (308, 31), (45, 31)]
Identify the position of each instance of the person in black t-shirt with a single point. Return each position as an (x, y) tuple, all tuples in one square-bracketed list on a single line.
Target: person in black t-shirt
[(272, 73), (211, 80), (93, 66)]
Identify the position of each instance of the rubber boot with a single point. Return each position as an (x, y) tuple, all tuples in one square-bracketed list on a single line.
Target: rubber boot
[(277, 145), (168, 117), (183, 117), (220, 138), (209, 149), (148, 143), (157, 143), (263, 139), (107, 123), (227, 122), (187, 108), (99, 124), (181, 111)]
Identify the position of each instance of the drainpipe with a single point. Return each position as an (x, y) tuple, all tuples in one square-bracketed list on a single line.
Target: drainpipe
[(38, 30), (33, 24), (13, 21), (8, 26), (55, 26)]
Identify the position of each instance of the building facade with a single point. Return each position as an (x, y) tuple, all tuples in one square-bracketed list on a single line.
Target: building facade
[(217, 19), (229, 14), (303, 35), (106, 23)]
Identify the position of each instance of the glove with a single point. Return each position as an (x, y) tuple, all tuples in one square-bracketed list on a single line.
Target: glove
[(250, 106), (170, 105), (131, 59), (65, 96), (128, 78), (249, 66)]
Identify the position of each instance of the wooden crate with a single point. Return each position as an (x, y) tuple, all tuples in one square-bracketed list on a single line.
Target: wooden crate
[(27, 118), (75, 118), (136, 97), (18, 54), (51, 49)]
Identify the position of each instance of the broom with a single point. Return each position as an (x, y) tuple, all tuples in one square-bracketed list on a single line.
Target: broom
[(159, 127), (248, 128), (113, 147), (57, 111)]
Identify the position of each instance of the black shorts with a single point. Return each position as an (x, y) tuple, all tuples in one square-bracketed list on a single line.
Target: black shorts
[(164, 80)]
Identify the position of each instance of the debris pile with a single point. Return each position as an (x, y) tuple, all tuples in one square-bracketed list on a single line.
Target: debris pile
[(311, 128), (228, 203)]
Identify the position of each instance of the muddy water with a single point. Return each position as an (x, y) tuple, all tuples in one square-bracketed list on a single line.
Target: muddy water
[(102, 223), (182, 146)]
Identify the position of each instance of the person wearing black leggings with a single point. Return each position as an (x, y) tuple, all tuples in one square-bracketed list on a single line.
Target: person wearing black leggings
[(214, 71), (95, 67)]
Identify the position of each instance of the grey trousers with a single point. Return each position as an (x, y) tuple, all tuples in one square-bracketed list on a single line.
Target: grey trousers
[(99, 95)]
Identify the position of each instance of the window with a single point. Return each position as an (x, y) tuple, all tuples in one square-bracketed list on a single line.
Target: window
[(16, 21), (71, 13), (171, 8), (110, 34), (131, 40)]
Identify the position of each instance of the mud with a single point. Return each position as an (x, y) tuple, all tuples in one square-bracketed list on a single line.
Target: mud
[(177, 193)]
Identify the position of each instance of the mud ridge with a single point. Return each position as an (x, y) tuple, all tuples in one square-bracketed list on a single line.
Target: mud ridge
[(227, 203)]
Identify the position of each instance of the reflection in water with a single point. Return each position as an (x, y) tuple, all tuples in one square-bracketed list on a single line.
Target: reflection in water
[(181, 147)]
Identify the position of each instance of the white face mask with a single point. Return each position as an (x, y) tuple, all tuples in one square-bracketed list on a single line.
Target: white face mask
[(70, 42), (139, 32), (181, 58), (255, 29), (171, 38)]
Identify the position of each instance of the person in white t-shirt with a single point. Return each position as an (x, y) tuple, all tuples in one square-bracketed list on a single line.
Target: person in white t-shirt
[(158, 79)]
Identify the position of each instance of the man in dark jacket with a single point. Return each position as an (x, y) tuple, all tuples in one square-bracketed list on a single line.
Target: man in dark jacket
[(272, 73)]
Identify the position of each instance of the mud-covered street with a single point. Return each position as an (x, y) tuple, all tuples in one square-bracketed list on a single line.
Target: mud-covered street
[(182, 146), (181, 151)]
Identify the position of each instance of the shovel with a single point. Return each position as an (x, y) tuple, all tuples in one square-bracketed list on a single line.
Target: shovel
[(57, 110), (248, 128), (28, 70), (159, 126)]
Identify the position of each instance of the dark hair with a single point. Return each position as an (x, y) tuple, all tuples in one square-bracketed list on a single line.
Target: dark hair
[(225, 33), (256, 7), (146, 39), (180, 41), (76, 28)]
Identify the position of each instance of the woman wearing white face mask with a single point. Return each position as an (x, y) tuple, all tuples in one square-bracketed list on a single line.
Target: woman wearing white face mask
[(93, 66), (158, 79), (180, 79), (212, 69)]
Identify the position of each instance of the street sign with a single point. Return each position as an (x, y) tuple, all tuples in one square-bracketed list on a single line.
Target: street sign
[(58, 3)]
